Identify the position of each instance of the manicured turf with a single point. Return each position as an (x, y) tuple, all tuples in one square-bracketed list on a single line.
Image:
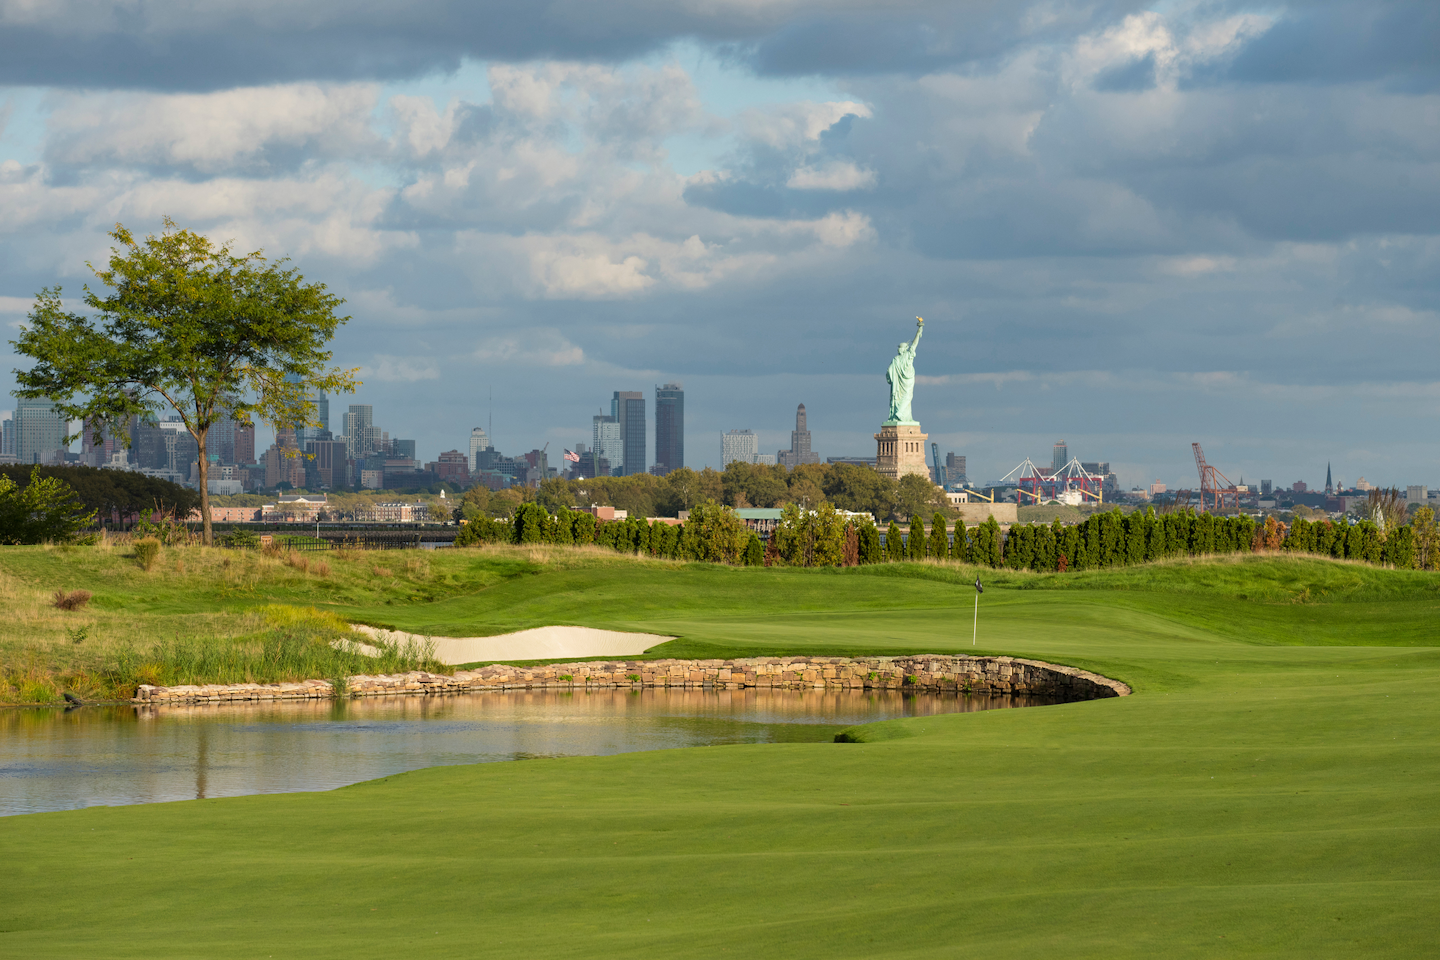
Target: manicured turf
[(1272, 789)]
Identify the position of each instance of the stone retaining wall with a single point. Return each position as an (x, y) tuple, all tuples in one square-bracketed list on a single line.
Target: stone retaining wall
[(992, 676)]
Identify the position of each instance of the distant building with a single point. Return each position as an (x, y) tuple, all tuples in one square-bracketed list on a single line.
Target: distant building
[(452, 466), (361, 436), (854, 461), (741, 446), (628, 409), (1330, 484), (1416, 494), (327, 466), (605, 439), (1266, 488), (478, 441), (1059, 456), (955, 469), (669, 428), (1158, 488), (765, 459), (7, 434), (1363, 484), (39, 432), (799, 451), (1299, 486)]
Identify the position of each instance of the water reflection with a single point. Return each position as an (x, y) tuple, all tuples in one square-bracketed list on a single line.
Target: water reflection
[(54, 760)]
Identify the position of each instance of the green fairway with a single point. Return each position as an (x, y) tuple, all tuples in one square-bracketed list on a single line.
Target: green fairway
[(1271, 789)]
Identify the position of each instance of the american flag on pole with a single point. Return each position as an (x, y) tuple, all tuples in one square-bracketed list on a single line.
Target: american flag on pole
[(572, 456)]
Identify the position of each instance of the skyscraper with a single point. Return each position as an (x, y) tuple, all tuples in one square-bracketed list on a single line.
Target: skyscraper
[(799, 451), (606, 443), (669, 428), (39, 432), (7, 434), (628, 408), (1059, 456), (738, 445), (478, 441), (362, 437)]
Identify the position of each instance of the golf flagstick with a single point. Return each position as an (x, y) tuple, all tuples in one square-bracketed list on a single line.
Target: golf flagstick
[(976, 632)]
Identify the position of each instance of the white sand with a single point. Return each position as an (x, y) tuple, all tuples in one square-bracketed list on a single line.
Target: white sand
[(541, 643)]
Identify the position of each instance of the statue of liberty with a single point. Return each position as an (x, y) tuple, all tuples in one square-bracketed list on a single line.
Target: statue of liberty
[(901, 377)]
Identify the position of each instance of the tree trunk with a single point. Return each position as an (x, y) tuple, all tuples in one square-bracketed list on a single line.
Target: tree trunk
[(207, 532)]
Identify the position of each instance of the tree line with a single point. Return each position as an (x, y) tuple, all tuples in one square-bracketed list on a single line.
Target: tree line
[(823, 536), (845, 486)]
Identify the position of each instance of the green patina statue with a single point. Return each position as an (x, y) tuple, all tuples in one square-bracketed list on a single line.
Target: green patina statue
[(901, 377)]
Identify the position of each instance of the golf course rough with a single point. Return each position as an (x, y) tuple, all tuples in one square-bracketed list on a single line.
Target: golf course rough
[(1272, 789)]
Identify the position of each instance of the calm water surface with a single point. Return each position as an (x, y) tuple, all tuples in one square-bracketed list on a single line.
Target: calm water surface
[(61, 760)]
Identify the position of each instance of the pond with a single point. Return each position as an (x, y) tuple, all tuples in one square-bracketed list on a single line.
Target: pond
[(109, 755)]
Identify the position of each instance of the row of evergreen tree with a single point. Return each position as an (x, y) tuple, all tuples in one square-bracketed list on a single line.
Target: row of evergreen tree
[(826, 537)]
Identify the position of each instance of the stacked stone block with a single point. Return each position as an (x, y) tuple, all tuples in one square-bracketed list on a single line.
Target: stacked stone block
[(984, 676)]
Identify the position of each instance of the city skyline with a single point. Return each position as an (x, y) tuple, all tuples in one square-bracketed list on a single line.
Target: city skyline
[(1135, 226)]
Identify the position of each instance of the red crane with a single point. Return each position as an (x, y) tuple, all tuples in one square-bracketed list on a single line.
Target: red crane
[(1214, 496)]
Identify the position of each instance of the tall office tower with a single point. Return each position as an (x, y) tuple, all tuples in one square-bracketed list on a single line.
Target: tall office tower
[(955, 468), (799, 451), (738, 446), (628, 409), (1059, 456), (245, 443), (362, 437), (669, 428), (7, 434), (478, 442), (39, 432), (402, 449), (606, 441)]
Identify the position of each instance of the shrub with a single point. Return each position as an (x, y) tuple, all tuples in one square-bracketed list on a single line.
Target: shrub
[(240, 539), (381, 572), (322, 569), (147, 549), (47, 508), (297, 561), (73, 600)]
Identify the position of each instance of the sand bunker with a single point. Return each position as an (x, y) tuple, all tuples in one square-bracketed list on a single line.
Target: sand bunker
[(541, 643)]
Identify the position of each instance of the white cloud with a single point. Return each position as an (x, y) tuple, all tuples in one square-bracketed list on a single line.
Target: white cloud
[(835, 175), (532, 348), (212, 131), (388, 369), (797, 124)]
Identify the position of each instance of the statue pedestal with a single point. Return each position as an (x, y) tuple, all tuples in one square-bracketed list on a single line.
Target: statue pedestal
[(900, 449)]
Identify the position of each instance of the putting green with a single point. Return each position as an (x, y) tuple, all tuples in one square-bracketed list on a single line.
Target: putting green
[(1269, 790)]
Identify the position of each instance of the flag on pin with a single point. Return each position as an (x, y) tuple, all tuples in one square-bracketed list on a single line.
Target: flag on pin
[(978, 588)]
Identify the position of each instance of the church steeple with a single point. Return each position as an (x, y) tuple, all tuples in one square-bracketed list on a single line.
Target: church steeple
[(1329, 485)]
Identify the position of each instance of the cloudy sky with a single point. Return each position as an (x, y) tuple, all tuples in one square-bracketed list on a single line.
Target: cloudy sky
[(1129, 225)]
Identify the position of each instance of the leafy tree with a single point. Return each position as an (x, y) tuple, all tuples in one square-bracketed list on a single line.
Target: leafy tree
[(859, 489), (754, 552), (715, 534), (939, 538), (986, 549), (869, 543), (118, 492), (473, 504), (916, 496), (915, 542), (554, 493), (530, 524), (1427, 539), (46, 509), (961, 550), (188, 327), (894, 543)]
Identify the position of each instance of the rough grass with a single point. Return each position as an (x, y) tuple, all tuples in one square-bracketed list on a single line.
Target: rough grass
[(1269, 791)]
